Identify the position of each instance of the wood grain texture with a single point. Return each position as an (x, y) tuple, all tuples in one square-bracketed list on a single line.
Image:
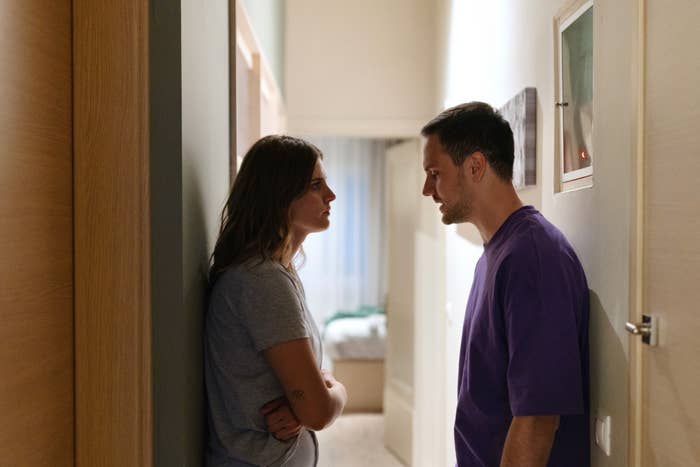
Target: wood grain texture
[(36, 234), (672, 226), (112, 255)]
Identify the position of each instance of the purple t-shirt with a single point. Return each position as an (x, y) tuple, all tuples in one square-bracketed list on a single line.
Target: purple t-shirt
[(524, 344)]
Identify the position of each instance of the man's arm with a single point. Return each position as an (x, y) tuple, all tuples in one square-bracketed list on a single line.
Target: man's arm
[(529, 441)]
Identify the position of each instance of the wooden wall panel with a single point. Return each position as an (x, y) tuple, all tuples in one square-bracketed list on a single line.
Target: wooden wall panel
[(112, 255), (36, 234)]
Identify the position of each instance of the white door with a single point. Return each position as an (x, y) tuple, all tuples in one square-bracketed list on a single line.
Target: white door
[(402, 195), (415, 364), (670, 430)]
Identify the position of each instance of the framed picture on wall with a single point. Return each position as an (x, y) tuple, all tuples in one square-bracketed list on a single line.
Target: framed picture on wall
[(574, 31), (521, 113)]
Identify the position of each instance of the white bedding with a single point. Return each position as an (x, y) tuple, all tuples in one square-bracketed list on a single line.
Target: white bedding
[(356, 338)]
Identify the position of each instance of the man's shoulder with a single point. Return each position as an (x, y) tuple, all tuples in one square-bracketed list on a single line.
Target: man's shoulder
[(535, 242), (542, 251), (534, 234)]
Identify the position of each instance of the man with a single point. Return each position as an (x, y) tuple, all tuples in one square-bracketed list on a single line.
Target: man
[(523, 374)]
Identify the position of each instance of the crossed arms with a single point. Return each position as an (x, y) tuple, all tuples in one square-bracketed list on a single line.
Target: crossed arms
[(313, 398)]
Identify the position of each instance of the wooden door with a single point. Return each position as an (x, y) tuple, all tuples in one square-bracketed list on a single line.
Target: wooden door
[(671, 370), (36, 234)]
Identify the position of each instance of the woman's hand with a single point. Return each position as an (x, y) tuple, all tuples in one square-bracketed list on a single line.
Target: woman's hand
[(280, 419)]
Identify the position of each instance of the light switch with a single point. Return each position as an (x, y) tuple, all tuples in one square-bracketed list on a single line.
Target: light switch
[(602, 433)]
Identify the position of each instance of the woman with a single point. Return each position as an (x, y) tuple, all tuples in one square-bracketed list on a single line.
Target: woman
[(266, 393)]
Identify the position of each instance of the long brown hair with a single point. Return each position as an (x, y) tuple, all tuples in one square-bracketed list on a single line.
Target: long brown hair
[(255, 221)]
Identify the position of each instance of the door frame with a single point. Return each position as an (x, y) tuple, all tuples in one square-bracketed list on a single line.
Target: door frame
[(636, 289), (111, 138)]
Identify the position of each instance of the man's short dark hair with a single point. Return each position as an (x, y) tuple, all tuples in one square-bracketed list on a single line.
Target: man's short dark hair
[(471, 127)]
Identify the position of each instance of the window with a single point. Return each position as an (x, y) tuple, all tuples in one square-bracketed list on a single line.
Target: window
[(575, 95)]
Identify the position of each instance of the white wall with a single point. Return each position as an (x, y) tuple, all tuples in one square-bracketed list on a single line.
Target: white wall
[(360, 68), (205, 115), (205, 169), (496, 49), (597, 220), (267, 19)]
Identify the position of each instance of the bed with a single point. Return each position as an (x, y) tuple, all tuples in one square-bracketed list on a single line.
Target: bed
[(355, 346)]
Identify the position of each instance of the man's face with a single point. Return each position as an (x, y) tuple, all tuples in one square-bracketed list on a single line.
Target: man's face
[(445, 182)]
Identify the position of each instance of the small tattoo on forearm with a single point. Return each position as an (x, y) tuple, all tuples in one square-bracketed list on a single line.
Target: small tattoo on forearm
[(298, 394)]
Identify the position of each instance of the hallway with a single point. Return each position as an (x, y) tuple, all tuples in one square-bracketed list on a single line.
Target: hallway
[(355, 440), (124, 124)]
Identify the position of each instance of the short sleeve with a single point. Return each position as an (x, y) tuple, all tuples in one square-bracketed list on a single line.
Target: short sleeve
[(544, 373), (271, 308)]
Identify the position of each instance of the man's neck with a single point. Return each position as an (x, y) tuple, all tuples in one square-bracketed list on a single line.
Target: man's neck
[(495, 210)]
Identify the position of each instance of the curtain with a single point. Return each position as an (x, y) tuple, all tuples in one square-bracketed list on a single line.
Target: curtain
[(345, 266)]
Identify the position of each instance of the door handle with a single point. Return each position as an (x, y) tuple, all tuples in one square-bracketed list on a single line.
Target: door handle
[(638, 328), (648, 329)]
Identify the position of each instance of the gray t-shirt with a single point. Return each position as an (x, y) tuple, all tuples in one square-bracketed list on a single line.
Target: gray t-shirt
[(253, 306)]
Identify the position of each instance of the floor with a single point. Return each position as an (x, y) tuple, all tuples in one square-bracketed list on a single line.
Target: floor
[(355, 440)]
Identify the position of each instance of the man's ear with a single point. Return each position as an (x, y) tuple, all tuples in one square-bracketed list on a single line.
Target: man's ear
[(476, 166)]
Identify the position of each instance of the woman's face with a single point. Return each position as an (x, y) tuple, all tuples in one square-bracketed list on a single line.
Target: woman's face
[(309, 213)]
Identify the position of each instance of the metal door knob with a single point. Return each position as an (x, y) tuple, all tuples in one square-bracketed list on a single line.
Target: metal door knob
[(643, 329), (648, 329)]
